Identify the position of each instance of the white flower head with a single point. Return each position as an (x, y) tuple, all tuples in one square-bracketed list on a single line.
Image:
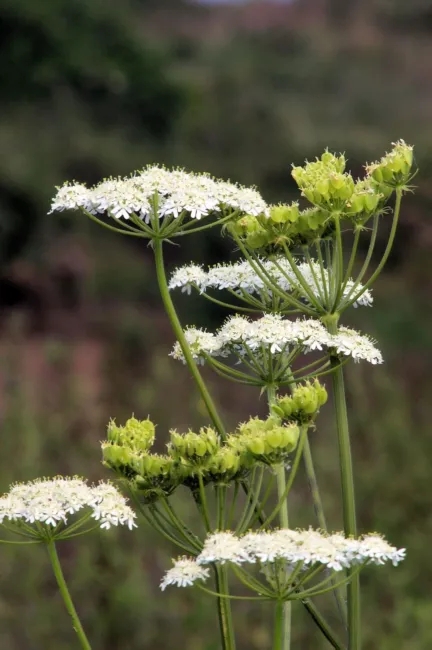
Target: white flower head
[(223, 547), (308, 547), (165, 192), (199, 342), (240, 276), (360, 347), (53, 501), (184, 573), (277, 334)]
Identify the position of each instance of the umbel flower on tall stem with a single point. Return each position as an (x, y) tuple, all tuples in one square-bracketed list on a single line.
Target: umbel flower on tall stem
[(299, 260), (46, 511)]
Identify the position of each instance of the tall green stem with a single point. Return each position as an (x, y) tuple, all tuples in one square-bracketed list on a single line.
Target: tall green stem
[(178, 330), (348, 497), (76, 623), (285, 616), (224, 609)]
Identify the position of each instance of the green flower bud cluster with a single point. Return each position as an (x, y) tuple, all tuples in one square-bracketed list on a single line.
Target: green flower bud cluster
[(127, 452), (395, 168), (303, 405), (366, 200), (193, 448), (138, 435), (285, 225), (152, 475), (266, 441), (325, 182), (204, 454)]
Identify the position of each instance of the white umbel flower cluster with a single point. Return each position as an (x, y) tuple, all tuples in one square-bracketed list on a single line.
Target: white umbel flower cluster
[(308, 547), (169, 192), (53, 501), (242, 277), (184, 573), (279, 334)]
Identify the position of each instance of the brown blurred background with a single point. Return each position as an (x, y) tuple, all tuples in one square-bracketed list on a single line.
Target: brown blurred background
[(92, 89)]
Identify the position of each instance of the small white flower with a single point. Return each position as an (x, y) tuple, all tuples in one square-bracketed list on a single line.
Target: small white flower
[(184, 573), (50, 501)]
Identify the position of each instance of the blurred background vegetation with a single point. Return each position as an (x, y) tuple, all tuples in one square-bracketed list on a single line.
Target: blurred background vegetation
[(92, 89)]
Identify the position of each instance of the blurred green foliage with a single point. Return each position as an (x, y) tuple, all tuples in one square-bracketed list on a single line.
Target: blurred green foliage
[(89, 90)]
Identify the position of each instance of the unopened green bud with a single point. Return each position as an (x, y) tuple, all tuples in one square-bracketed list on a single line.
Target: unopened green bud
[(290, 437), (257, 239), (321, 393), (286, 405), (256, 446), (116, 456), (305, 399)]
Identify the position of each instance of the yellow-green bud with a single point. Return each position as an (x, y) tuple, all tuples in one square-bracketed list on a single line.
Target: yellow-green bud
[(305, 399), (136, 434), (116, 456), (321, 393)]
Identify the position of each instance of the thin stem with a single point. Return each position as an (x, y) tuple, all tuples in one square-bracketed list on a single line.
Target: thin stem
[(203, 503), (314, 276), (228, 596), (307, 291), (387, 251), (338, 263), (323, 274), (178, 330), (322, 624), (366, 262), (348, 496), (290, 481), (113, 228), (76, 623)]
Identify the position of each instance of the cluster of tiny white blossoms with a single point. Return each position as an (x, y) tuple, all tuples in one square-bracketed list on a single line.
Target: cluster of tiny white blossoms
[(242, 277), (308, 547), (184, 573), (169, 192), (272, 331), (53, 501)]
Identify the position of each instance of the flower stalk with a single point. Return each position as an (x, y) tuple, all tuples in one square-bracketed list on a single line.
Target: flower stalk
[(64, 591)]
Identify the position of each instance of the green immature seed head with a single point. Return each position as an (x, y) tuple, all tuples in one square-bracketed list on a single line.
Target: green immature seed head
[(193, 448), (137, 435), (303, 405), (395, 168)]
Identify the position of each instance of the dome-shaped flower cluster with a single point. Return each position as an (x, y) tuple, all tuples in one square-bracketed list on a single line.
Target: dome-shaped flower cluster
[(240, 277), (160, 191), (274, 333), (54, 501), (297, 548)]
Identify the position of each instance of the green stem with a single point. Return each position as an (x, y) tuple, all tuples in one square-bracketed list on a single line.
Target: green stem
[(282, 636), (76, 623), (224, 609), (322, 624), (279, 643), (348, 496), (178, 330)]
